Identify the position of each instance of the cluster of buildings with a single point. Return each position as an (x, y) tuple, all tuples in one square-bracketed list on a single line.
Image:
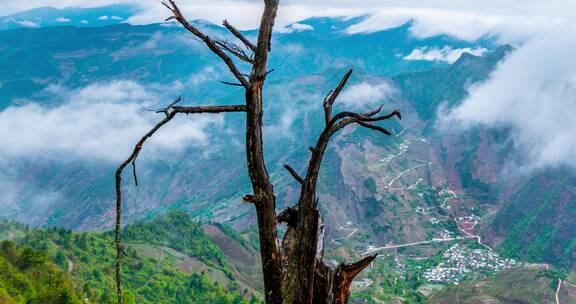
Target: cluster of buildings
[(461, 263)]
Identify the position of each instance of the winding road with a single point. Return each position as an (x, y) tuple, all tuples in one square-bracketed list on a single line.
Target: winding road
[(403, 148), (453, 195), (558, 291), (351, 231), (372, 250)]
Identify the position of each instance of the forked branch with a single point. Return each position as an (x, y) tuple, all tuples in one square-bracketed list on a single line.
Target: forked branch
[(210, 43), (234, 50), (239, 35), (332, 96), (337, 122), (294, 174)]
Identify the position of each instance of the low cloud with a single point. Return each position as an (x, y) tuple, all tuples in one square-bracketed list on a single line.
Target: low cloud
[(445, 54), (533, 94), (27, 23), (99, 122), (297, 27), (470, 26), (282, 128), (62, 19), (365, 95)]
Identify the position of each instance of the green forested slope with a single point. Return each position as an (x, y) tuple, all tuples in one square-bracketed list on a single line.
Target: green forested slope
[(28, 276), (168, 260)]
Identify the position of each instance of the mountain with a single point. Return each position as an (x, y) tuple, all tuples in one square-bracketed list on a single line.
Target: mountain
[(153, 55), (77, 17), (193, 263), (74, 56), (180, 265), (537, 222), (412, 197), (430, 89), (531, 283)]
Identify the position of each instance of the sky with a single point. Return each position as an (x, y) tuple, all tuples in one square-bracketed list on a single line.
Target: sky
[(532, 93), (514, 20)]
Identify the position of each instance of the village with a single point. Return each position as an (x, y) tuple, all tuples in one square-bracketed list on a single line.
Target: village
[(462, 262)]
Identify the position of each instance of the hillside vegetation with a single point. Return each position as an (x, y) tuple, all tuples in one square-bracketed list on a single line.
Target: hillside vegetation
[(28, 276), (168, 260)]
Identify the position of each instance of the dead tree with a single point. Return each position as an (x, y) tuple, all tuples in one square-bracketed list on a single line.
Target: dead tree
[(294, 271)]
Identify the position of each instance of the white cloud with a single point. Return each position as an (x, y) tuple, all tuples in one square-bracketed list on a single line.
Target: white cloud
[(103, 17), (27, 23), (428, 22), (116, 18), (101, 121), (282, 128), (533, 94), (297, 27), (365, 95), (84, 21), (445, 54), (511, 20), (62, 19)]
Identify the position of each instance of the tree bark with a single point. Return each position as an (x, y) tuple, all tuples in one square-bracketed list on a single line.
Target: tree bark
[(263, 197)]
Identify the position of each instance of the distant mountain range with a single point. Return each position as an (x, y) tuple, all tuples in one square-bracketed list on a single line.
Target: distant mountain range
[(78, 17)]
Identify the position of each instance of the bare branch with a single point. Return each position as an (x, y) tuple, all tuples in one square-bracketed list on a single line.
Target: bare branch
[(234, 50), (336, 123), (249, 198), (209, 109), (344, 119), (134, 172), (170, 113), (177, 15), (231, 83), (165, 109), (118, 178), (352, 270), (367, 117), (373, 127), (294, 174), (239, 35), (332, 95), (263, 47)]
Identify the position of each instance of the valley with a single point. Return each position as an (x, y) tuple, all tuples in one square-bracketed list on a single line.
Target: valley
[(450, 220)]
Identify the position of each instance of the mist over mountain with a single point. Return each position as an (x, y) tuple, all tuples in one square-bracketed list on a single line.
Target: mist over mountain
[(483, 155)]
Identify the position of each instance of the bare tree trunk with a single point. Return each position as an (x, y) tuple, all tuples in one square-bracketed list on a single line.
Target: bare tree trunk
[(294, 272), (263, 197)]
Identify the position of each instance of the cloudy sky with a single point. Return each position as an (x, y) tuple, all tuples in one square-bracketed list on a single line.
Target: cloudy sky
[(512, 19)]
